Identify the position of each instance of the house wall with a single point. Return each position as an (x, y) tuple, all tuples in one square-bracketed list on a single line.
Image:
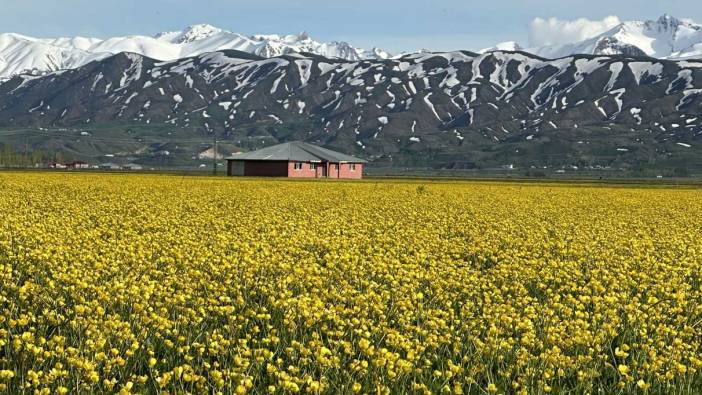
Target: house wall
[(346, 172), (333, 170), (343, 172), (305, 172), (235, 168), (265, 169)]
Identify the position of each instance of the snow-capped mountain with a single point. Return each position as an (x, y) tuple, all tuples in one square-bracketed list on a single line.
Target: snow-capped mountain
[(450, 110), (24, 54), (610, 105), (503, 46), (665, 38)]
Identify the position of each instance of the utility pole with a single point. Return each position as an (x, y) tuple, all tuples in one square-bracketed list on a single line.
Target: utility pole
[(214, 154)]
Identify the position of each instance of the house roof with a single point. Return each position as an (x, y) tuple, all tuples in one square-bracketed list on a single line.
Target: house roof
[(296, 151)]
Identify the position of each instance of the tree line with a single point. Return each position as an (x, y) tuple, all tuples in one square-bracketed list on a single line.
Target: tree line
[(11, 157)]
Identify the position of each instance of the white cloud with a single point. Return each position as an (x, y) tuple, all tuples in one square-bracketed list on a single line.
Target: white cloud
[(559, 31)]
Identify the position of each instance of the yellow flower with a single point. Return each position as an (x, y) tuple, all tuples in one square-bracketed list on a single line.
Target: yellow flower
[(643, 385), (620, 353)]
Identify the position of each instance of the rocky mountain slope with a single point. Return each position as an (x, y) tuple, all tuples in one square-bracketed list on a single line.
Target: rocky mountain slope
[(24, 54), (448, 110)]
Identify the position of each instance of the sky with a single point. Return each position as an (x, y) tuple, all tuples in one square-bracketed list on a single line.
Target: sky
[(395, 25)]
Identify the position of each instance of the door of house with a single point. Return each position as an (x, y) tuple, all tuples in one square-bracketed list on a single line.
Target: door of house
[(323, 170)]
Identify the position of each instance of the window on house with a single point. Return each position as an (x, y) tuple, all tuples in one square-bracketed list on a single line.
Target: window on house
[(298, 166), (352, 167), (313, 166)]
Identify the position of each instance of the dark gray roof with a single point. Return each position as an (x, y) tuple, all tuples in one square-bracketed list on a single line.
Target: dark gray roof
[(296, 151)]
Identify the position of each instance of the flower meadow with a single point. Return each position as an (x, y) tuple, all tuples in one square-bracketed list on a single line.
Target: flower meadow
[(168, 284)]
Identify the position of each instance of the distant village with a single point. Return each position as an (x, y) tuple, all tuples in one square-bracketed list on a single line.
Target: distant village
[(40, 159), (80, 165)]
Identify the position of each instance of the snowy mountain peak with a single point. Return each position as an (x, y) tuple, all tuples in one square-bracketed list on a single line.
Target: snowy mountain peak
[(303, 36), (22, 54), (379, 53), (197, 32), (504, 46), (667, 38), (291, 39), (669, 21)]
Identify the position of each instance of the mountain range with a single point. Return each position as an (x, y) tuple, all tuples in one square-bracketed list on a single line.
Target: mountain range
[(23, 54), (454, 109), (665, 38), (449, 110)]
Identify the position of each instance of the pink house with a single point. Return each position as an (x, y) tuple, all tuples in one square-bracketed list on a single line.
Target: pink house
[(296, 159)]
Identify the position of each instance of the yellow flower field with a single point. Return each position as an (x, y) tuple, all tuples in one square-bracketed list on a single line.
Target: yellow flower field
[(171, 284)]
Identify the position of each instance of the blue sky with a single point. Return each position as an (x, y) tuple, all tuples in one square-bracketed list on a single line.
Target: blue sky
[(392, 24)]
